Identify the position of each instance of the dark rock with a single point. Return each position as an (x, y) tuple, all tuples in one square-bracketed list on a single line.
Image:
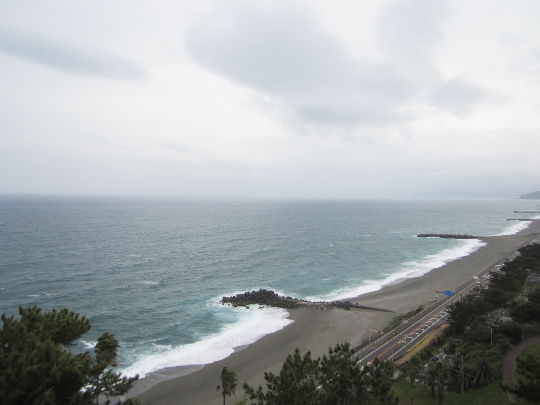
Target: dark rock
[(271, 298)]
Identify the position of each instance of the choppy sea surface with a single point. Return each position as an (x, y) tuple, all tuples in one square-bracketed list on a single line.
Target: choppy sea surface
[(152, 271)]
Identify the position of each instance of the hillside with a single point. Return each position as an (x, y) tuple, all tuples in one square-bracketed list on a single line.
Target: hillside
[(531, 196), (458, 193)]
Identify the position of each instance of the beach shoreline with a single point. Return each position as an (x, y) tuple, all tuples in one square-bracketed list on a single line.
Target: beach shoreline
[(317, 330)]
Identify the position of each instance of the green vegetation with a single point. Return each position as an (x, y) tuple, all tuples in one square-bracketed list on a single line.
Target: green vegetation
[(439, 376), (398, 319), (413, 368), (334, 379), (228, 383), (533, 350), (492, 395), (466, 359), (37, 366), (528, 375)]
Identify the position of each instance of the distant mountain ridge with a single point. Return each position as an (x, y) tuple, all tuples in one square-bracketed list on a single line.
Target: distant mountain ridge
[(531, 196), (457, 193)]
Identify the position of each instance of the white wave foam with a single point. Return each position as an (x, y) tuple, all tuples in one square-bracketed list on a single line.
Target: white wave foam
[(253, 325), (515, 228), (89, 345), (406, 271), (148, 282)]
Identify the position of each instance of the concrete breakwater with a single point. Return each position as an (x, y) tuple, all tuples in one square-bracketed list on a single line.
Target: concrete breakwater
[(272, 299), (526, 212), (449, 236)]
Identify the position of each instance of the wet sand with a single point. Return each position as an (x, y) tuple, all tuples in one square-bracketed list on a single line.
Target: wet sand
[(316, 330)]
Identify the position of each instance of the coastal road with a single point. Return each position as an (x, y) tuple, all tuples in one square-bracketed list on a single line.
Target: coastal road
[(396, 344)]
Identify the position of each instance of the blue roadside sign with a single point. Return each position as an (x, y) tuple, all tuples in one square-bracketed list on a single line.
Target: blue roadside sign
[(448, 293)]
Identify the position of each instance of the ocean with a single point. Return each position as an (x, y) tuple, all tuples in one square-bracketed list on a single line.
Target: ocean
[(152, 271)]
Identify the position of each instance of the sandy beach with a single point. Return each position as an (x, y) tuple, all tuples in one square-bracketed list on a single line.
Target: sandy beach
[(316, 330)]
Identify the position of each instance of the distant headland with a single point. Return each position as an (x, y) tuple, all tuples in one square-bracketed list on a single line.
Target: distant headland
[(459, 193), (531, 196)]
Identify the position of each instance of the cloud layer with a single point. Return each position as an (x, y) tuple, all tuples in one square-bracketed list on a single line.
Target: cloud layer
[(289, 57), (68, 58), (269, 99)]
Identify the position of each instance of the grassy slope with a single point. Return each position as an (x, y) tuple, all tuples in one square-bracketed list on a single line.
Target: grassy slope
[(492, 395), (534, 350)]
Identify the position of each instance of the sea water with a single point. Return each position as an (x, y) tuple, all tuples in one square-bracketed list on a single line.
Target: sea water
[(152, 271)]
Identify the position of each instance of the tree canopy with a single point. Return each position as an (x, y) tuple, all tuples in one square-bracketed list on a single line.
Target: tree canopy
[(504, 286), (528, 386), (334, 379), (38, 367)]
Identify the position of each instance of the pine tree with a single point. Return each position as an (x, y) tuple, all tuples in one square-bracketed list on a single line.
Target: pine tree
[(37, 366), (340, 379), (103, 381), (378, 380), (296, 384), (336, 379)]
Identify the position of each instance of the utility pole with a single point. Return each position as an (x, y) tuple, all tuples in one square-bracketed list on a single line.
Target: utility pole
[(462, 376)]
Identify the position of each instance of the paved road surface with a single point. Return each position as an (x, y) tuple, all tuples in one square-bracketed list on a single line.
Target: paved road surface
[(395, 344)]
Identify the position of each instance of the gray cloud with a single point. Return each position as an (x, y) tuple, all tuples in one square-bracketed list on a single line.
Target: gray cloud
[(412, 32), (458, 96), (66, 57), (284, 53), (281, 50), (413, 29), (377, 107)]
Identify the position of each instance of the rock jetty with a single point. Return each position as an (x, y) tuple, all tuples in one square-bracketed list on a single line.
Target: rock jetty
[(262, 297), (449, 236), (272, 299)]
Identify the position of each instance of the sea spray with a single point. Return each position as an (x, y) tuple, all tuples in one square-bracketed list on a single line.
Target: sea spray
[(251, 326)]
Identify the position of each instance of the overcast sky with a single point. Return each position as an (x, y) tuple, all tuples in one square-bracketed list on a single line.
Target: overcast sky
[(259, 99)]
